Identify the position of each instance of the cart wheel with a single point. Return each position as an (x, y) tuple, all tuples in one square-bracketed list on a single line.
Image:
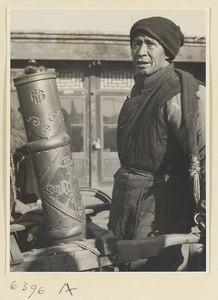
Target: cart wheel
[(93, 196), (97, 206)]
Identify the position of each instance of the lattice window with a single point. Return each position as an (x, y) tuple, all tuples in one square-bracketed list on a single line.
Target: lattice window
[(117, 78), (70, 79)]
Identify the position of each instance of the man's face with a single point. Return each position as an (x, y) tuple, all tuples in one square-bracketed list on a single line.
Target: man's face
[(147, 54)]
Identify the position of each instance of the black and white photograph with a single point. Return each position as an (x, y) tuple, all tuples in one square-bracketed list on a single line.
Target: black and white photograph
[(108, 150), (108, 139)]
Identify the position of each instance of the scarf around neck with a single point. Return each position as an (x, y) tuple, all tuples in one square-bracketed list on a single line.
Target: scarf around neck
[(189, 103)]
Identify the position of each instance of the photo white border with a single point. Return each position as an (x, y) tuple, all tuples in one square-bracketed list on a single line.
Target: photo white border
[(129, 285)]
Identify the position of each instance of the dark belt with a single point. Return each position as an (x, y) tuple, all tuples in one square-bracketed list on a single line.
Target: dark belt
[(143, 173)]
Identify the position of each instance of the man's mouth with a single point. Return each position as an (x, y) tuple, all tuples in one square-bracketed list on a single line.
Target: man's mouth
[(142, 63)]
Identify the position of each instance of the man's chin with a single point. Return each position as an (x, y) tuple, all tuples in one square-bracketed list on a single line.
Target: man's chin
[(144, 72)]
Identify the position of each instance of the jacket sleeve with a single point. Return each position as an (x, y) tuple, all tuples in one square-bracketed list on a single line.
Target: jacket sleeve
[(174, 117)]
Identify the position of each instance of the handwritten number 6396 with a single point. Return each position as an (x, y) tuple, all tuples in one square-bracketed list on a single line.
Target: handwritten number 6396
[(25, 287)]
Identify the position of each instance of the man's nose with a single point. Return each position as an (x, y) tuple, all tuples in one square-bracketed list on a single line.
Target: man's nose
[(143, 50)]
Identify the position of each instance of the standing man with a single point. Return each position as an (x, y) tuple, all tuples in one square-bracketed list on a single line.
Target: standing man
[(160, 185)]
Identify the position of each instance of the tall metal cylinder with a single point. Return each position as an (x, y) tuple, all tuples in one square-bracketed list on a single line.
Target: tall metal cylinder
[(48, 143)]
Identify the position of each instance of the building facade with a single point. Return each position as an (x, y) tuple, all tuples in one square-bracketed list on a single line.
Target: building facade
[(94, 77)]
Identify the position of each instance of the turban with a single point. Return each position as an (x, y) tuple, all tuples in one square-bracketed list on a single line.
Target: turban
[(166, 32)]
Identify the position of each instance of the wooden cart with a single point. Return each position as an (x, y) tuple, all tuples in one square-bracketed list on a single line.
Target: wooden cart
[(100, 251)]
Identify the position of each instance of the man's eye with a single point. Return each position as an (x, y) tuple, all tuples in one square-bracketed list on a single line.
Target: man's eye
[(135, 46), (150, 44), (137, 43)]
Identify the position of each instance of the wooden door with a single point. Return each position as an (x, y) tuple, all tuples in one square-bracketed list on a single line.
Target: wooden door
[(73, 89), (110, 84)]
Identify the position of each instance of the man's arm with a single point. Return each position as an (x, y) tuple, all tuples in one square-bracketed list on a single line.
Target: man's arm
[(174, 117)]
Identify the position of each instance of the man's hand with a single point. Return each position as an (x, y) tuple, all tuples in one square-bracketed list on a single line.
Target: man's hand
[(36, 221)]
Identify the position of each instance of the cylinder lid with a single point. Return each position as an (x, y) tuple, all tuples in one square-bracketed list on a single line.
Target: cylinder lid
[(34, 77)]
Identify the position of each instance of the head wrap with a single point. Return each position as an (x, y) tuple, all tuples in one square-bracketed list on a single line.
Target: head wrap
[(166, 32)]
